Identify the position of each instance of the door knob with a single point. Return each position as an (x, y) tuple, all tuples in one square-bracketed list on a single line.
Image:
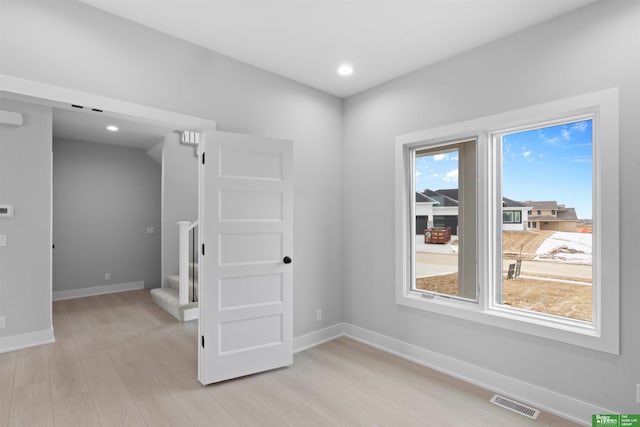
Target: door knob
[(286, 260)]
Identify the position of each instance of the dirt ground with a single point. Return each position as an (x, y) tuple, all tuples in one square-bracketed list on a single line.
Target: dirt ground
[(523, 244), (543, 296)]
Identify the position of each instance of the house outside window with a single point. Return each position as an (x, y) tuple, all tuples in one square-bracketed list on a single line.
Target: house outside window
[(480, 292), (511, 217)]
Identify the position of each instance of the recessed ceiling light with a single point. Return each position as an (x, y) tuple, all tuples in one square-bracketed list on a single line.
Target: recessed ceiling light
[(112, 128), (345, 70)]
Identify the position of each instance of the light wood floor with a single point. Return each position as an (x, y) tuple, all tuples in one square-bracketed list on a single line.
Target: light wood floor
[(120, 360)]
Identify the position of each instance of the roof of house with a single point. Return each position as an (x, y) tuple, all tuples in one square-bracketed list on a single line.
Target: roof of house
[(421, 198), (568, 214), (542, 218), (441, 197), (510, 203), (451, 193), (548, 204), (449, 197)]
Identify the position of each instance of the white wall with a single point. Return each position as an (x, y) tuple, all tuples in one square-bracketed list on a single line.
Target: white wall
[(179, 197), (69, 44), (104, 198), (594, 48), (25, 263)]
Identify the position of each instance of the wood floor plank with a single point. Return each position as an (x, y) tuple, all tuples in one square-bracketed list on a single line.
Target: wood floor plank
[(7, 372), (123, 417), (77, 410), (120, 360), (324, 403), (280, 401), (246, 411), (32, 406), (32, 366), (155, 404), (356, 397), (65, 371), (107, 388)]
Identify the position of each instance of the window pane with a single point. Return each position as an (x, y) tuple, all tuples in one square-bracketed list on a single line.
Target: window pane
[(546, 250), (444, 209)]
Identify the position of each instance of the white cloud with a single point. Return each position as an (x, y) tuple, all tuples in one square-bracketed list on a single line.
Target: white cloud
[(527, 153), (439, 157), (451, 176), (418, 173), (566, 134), (580, 127), (544, 138)]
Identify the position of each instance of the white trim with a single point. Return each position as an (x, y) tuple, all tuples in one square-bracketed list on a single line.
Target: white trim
[(603, 334), (30, 339), (67, 96), (312, 339), (549, 401), (97, 290)]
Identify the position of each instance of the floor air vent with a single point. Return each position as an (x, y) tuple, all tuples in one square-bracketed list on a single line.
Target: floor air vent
[(514, 406)]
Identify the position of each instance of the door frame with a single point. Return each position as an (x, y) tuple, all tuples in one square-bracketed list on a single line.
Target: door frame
[(49, 95)]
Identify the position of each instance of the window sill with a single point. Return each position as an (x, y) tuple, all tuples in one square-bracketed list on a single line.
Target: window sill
[(565, 330)]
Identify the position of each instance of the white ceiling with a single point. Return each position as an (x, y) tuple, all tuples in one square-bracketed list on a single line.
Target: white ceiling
[(306, 40), (90, 126), (87, 125)]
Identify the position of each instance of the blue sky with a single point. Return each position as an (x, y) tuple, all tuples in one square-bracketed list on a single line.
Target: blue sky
[(552, 163)]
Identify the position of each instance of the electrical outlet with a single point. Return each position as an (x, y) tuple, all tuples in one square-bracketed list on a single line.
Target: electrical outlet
[(107, 276), (3, 322), (318, 315), (638, 394), (150, 230)]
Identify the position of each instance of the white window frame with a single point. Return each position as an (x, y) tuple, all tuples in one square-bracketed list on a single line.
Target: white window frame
[(603, 332)]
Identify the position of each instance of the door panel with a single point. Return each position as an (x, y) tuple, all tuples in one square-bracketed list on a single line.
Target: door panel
[(245, 218)]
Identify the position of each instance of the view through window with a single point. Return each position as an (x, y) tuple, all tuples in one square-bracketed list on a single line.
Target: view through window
[(546, 182), (444, 208)]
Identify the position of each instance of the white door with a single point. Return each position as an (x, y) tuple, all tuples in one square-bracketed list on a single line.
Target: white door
[(245, 275)]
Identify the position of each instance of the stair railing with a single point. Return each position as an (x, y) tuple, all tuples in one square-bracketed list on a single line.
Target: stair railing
[(183, 260)]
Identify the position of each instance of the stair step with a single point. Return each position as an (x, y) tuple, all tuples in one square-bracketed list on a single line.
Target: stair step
[(174, 283), (167, 298)]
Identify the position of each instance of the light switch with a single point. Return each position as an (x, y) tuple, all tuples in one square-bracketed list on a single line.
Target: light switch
[(3, 240), (150, 230)]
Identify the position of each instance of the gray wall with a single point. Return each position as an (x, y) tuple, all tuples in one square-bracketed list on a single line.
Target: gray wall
[(25, 182), (180, 197), (104, 198), (106, 55), (594, 48)]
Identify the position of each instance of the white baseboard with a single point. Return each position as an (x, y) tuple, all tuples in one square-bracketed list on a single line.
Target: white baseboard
[(541, 398), (312, 339), (547, 400), (97, 290), (30, 339)]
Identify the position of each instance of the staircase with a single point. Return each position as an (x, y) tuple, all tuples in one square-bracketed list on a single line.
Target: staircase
[(180, 297), (169, 298)]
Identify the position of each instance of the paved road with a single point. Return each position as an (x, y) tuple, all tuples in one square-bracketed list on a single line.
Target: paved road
[(444, 262)]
